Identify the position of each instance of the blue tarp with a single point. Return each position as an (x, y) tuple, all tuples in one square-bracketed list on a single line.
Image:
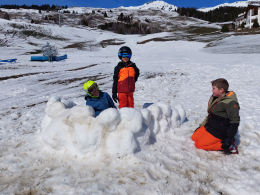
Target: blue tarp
[(45, 58), (39, 58), (9, 60)]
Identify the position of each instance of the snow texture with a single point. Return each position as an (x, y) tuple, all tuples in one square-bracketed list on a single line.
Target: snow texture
[(50, 143), (161, 5)]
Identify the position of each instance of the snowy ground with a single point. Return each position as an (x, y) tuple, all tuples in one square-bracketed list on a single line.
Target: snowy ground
[(173, 72)]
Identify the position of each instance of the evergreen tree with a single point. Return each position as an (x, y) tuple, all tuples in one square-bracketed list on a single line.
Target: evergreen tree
[(147, 20), (105, 14), (225, 28), (121, 17), (84, 22), (243, 25), (256, 24), (6, 16), (221, 14)]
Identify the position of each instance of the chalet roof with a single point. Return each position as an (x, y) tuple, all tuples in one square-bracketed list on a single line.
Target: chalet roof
[(255, 7), (254, 3), (240, 17)]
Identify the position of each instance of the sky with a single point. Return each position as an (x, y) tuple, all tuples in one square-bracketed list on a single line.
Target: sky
[(118, 3)]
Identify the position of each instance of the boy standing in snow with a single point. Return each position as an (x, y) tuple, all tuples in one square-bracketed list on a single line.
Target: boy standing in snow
[(218, 130), (125, 75), (97, 99)]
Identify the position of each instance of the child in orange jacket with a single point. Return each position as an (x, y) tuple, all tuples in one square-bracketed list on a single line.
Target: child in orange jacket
[(125, 75)]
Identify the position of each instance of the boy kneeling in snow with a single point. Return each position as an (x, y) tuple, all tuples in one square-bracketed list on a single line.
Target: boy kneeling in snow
[(97, 99), (218, 130)]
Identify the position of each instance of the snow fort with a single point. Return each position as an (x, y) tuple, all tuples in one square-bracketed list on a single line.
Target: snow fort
[(67, 126)]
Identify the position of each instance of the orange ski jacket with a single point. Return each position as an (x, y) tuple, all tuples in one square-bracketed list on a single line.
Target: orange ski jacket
[(125, 76)]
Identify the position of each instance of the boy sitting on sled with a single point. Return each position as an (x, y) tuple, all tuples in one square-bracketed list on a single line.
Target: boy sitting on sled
[(218, 130)]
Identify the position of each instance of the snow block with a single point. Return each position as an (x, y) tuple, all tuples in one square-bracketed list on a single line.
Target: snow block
[(142, 137)]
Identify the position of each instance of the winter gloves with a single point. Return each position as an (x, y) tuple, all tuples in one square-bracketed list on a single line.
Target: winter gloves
[(231, 132), (226, 143), (115, 98)]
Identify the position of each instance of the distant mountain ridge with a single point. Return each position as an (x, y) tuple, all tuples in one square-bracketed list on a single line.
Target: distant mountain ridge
[(154, 5), (235, 4), (168, 7)]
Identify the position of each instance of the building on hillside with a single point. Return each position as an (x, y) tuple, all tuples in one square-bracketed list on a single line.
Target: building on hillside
[(252, 13), (230, 25), (240, 19)]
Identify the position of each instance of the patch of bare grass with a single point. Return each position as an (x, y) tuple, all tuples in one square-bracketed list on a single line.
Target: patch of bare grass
[(85, 46), (202, 30), (37, 51), (18, 26), (3, 43), (108, 42), (72, 80), (157, 39), (82, 67), (21, 75), (151, 75), (34, 44), (252, 31)]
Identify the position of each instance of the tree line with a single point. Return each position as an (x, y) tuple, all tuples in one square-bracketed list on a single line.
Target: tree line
[(46, 7), (221, 14)]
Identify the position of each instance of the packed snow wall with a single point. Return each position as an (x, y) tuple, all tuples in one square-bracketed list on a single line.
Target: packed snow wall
[(67, 126)]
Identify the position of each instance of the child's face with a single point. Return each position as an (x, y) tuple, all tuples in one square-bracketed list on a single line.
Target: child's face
[(126, 59), (217, 92), (95, 92)]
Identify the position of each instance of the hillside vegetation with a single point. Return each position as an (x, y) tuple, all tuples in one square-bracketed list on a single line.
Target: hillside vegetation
[(221, 14)]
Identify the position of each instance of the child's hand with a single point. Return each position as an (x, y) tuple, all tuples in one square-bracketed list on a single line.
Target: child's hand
[(115, 98), (226, 143)]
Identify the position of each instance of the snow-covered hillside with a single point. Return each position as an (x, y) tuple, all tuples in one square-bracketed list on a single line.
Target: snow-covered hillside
[(156, 20), (50, 143), (157, 5), (161, 5), (235, 4)]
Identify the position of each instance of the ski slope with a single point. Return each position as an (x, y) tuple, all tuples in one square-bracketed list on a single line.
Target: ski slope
[(174, 73), (235, 4)]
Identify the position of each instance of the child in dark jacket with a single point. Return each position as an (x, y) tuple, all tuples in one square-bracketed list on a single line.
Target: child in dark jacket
[(218, 130), (125, 75), (97, 99)]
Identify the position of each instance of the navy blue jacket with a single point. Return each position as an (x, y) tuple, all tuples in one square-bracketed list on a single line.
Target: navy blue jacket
[(100, 103)]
